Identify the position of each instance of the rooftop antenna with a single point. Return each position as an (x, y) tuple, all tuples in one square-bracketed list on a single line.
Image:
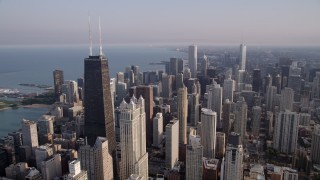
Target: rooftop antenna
[(90, 38), (100, 50)]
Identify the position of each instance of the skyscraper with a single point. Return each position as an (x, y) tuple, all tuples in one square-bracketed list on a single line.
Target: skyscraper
[(315, 146), (243, 57), (228, 89), (233, 162), (240, 123), (157, 129), (182, 109), (193, 108), (172, 143), (256, 80), (270, 95), (96, 160), (98, 102), (193, 60), (204, 65), (256, 119), (208, 132), (215, 101), (286, 132), (286, 101), (194, 156), (58, 81), (134, 158), (29, 134)]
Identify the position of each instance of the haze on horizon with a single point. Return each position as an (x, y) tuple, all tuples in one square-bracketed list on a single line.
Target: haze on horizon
[(270, 22)]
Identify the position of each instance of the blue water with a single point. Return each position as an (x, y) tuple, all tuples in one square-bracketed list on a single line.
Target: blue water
[(36, 64), (10, 118)]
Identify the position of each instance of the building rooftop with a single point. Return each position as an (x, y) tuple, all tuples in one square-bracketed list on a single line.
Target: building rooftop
[(210, 163)]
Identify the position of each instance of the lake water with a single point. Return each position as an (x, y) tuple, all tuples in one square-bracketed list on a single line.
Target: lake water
[(35, 65)]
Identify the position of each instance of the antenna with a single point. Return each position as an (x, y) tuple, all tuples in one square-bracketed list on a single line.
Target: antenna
[(100, 51), (90, 38)]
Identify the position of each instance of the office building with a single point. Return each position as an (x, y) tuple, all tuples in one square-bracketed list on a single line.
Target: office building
[(193, 60), (256, 119), (315, 146), (243, 57), (220, 144), (193, 108), (194, 156), (51, 168), (166, 86), (75, 172), (96, 160), (182, 109), (29, 134), (215, 101), (157, 130), (204, 65), (286, 101), (70, 90), (286, 132), (208, 132), (134, 158), (233, 161), (210, 169), (240, 123), (228, 89), (172, 143), (270, 95), (226, 113), (42, 153), (256, 80), (58, 80)]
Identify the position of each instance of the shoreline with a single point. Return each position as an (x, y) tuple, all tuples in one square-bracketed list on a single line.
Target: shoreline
[(28, 106)]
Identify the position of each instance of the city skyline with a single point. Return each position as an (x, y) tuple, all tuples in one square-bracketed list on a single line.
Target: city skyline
[(249, 22)]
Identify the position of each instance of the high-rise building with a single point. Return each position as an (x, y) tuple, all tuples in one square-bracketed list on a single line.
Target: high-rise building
[(315, 146), (75, 172), (215, 101), (256, 80), (243, 57), (208, 132), (182, 109), (276, 81), (270, 95), (193, 60), (134, 158), (193, 108), (51, 168), (157, 130), (173, 66), (166, 86), (172, 143), (121, 91), (256, 119), (70, 89), (29, 134), (43, 153), (204, 65), (286, 101), (228, 89), (220, 144), (210, 169), (233, 162), (267, 82), (179, 80), (194, 154), (226, 120), (240, 123), (286, 132), (96, 160), (294, 82), (58, 80), (270, 123), (147, 93), (98, 102)]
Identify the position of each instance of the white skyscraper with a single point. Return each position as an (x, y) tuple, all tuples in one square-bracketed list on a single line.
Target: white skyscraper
[(240, 123), (157, 129), (96, 160), (194, 156), (193, 60), (256, 119), (315, 146), (182, 109), (228, 89), (243, 57), (233, 162), (286, 132), (215, 100), (134, 158), (29, 133), (286, 101), (172, 143), (208, 132)]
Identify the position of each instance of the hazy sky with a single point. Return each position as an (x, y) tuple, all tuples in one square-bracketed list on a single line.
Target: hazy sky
[(264, 22)]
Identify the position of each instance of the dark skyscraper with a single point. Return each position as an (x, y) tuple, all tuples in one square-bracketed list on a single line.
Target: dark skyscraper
[(58, 81), (256, 81)]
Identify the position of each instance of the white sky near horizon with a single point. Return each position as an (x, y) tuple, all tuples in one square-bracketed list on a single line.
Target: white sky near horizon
[(272, 22)]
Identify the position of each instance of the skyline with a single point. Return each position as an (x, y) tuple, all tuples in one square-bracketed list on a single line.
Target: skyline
[(165, 22)]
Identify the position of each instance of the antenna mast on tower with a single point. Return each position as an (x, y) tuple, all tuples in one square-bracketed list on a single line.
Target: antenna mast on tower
[(100, 50), (90, 38)]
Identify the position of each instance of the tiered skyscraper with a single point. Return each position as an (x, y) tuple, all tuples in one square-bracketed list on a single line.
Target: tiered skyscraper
[(134, 158), (193, 60)]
